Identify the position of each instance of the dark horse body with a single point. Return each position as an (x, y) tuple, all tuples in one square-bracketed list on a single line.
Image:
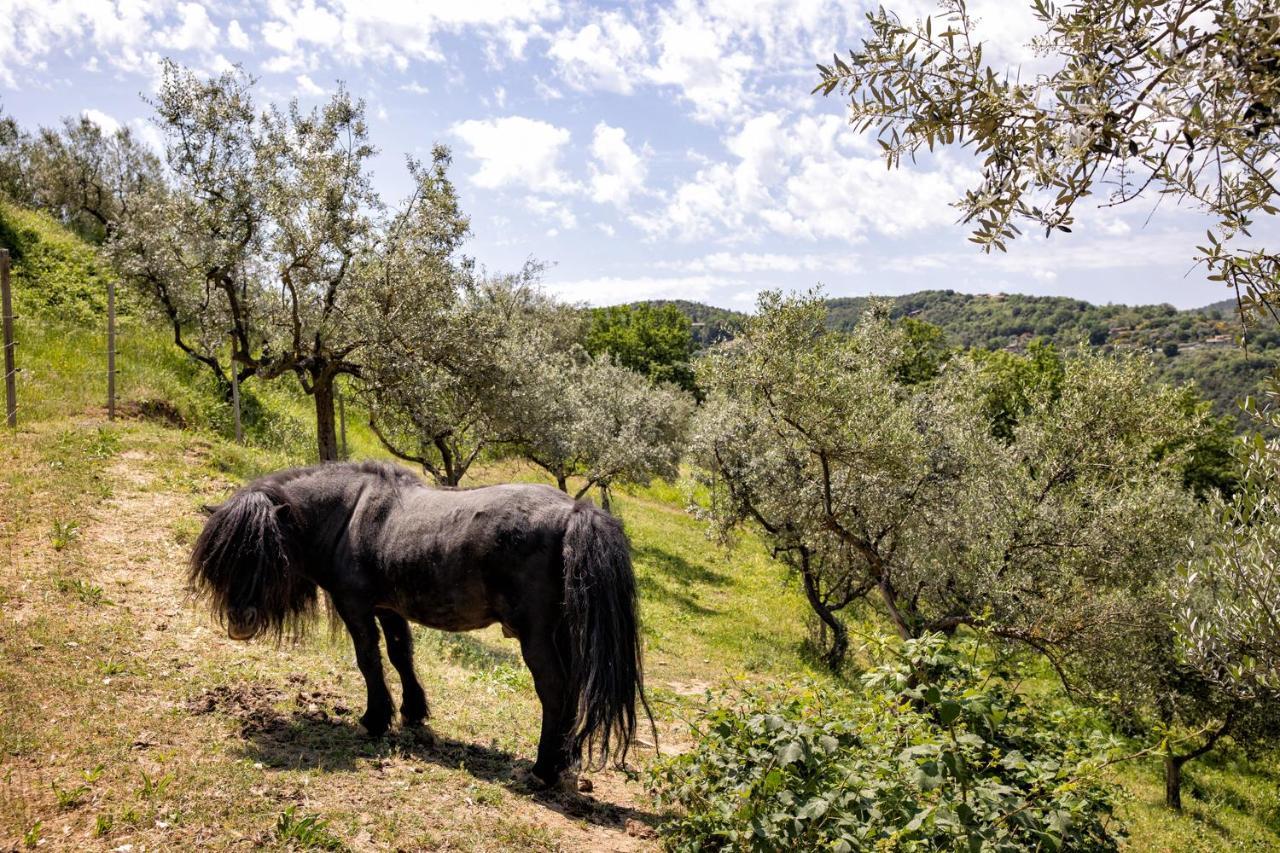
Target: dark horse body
[(555, 573)]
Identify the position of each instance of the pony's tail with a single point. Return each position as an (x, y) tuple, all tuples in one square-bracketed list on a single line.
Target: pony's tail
[(605, 663), (246, 557)]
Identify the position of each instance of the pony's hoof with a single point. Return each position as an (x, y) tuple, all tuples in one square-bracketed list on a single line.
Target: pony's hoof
[(375, 727), (533, 781), (414, 719)]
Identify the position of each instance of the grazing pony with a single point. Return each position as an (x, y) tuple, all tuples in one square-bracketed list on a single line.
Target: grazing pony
[(554, 572)]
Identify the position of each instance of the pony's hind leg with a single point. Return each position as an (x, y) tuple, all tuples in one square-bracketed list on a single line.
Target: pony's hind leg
[(364, 634), (414, 709), (551, 681)]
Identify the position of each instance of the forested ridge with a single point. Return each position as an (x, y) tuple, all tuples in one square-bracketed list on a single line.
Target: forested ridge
[(1195, 345)]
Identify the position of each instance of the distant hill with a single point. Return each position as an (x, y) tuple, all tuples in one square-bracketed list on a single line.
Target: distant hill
[(1199, 344)]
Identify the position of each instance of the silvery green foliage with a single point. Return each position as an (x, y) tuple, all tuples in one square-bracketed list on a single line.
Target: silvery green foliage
[(590, 418), (1139, 99), (80, 173), (623, 428), (904, 494), (442, 399), (269, 231), (1228, 599)]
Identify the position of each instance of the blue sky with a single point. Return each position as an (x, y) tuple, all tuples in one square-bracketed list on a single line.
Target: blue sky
[(643, 150)]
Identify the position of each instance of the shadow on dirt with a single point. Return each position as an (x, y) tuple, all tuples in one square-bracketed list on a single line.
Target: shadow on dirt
[(320, 733)]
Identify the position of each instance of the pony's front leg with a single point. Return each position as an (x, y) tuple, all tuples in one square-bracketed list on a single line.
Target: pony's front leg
[(364, 634), (414, 708)]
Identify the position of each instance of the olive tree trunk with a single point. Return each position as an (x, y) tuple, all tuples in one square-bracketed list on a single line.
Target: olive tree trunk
[(326, 433)]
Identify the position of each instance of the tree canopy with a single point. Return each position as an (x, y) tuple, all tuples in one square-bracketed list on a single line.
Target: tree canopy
[(1036, 525), (656, 340)]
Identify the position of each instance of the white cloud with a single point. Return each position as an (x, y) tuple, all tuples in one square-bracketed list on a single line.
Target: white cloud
[(516, 152), (769, 262), (148, 133), (237, 37), (413, 87), (604, 54), (807, 177), (193, 30), (611, 290), (122, 34), (395, 34), (617, 171), (557, 211), (302, 23), (696, 57), (108, 123), (307, 86)]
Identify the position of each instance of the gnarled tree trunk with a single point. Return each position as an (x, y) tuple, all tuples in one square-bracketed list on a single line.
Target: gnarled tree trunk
[(326, 432)]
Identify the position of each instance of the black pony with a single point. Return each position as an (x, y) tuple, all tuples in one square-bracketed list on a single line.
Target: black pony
[(554, 572)]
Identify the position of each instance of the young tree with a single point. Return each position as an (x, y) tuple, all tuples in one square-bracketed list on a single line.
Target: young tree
[(867, 486), (604, 423), (444, 404), (624, 430), (1226, 613), (272, 234), (1145, 97), (656, 340)]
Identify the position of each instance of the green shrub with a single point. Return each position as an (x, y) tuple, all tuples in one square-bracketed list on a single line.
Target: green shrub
[(960, 763)]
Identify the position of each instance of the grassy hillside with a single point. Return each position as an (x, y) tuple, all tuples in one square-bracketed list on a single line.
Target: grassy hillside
[(60, 285), (128, 718)]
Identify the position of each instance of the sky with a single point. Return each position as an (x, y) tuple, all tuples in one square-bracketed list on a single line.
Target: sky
[(641, 150)]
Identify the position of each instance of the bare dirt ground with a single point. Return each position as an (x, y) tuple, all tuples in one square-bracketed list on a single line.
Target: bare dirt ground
[(131, 722)]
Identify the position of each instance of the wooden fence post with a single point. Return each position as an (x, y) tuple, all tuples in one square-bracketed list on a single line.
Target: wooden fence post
[(6, 315), (111, 349)]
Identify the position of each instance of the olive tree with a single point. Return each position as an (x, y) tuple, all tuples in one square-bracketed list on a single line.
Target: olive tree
[(84, 175), (87, 177), (270, 232), (593, 419), (442, 402), (1143, 98), (1039, 530), (1229, 598), (1226, 616)]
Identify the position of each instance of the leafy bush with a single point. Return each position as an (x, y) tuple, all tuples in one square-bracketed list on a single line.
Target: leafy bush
[(935, 753)]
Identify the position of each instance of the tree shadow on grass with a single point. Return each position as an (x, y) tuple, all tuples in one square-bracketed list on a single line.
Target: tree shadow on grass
[(674, 579), (314, 740), (678, 568)]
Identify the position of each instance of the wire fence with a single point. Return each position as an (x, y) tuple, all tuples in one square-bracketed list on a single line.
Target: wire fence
[(48, 372), (72, 368)]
